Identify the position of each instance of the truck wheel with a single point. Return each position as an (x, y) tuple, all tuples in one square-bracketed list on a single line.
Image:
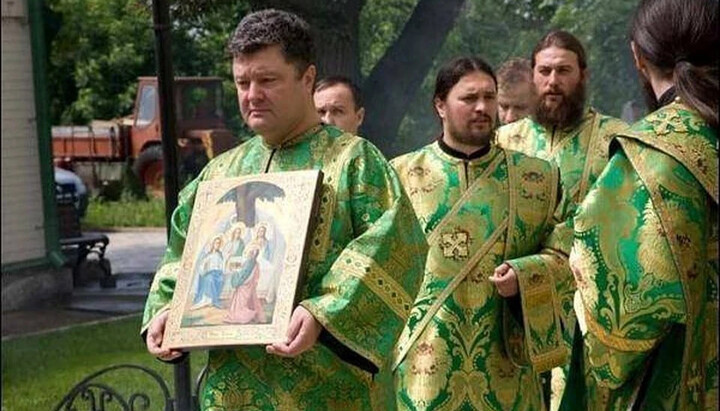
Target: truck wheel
[(149, 169)]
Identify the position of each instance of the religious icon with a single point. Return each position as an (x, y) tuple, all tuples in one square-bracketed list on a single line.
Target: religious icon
[(243, 260)]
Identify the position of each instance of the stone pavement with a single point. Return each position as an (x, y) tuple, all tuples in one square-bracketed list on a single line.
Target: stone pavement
[(135, 251), (134, 255)]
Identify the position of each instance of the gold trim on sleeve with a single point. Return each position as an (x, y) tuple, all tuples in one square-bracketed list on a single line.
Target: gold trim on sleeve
[(377, 280)]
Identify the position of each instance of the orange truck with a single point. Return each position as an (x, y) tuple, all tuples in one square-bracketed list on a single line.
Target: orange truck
[(98, 152)]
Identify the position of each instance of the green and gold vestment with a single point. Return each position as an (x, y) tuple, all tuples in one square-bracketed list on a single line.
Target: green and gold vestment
[(646, 254), (365, 266), (581, 153), (464, 346)]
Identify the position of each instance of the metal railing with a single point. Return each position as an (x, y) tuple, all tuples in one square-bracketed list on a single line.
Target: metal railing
[(95, 393)]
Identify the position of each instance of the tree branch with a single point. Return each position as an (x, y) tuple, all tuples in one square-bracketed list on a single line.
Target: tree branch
[(394, 81)]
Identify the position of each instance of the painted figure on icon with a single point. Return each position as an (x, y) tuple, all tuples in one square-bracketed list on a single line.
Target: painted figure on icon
[(210, 281), (245, 305)]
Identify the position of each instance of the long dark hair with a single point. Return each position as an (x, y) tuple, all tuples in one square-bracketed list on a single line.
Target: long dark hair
[(451, 72), (681, 39)]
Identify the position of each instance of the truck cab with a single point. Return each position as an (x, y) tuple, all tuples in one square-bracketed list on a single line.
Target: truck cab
[(201, 130)]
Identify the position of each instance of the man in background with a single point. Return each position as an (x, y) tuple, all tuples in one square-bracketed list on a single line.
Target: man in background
[(517, 97), (576, 137), (339, 102)]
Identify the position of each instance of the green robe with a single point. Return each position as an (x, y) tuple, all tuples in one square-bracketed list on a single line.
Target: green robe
[(581, 153), (646, 253), (462, 347), (364, 269)]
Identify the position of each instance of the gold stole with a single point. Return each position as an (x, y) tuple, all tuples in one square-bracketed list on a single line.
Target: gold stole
[(538, 341), (596, 147)]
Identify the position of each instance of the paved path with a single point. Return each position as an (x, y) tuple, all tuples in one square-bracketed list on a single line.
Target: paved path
[(134, 256), (135, 251)]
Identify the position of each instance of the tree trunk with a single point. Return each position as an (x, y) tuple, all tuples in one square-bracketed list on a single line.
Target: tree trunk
[(335, 30), (394, 81)]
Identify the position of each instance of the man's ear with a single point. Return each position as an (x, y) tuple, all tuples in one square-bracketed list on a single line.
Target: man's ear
[(439, 107), (308, 78), (360, 115)]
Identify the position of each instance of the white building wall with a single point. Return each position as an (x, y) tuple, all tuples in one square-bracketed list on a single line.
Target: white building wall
[(23, 236)]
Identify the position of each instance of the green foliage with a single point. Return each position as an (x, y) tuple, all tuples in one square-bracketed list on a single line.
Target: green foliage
[(99, 47), (37, 371), (497, 31), (126, 211), (602, 27), (492, 30), (97, 53), (381, 22)]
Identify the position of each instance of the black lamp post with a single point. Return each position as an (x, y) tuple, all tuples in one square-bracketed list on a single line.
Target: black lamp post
[(166, 83)]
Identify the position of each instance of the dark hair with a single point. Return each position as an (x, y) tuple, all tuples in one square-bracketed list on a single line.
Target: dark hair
[(451, 72), (514, 71), (564, 40), (271, 27), (332, 81), (681, 39)]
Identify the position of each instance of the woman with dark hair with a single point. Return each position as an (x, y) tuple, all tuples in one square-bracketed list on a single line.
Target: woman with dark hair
[(646, 235)]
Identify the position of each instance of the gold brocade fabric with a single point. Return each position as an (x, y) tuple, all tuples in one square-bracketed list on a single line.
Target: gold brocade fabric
[(453, 353), (581, 153), (648, 270), (365, 265)]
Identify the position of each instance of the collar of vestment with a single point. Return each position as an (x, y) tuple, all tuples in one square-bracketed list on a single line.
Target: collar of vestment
[(459, 155), (556, 137), (681, 133), (291, 141)]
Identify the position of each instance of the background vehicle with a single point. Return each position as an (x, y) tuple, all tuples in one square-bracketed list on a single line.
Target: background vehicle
[(68, 182), (98, 152)]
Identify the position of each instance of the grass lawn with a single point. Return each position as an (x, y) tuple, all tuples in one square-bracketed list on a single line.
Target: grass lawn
[(37, 371), (124, 213)]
